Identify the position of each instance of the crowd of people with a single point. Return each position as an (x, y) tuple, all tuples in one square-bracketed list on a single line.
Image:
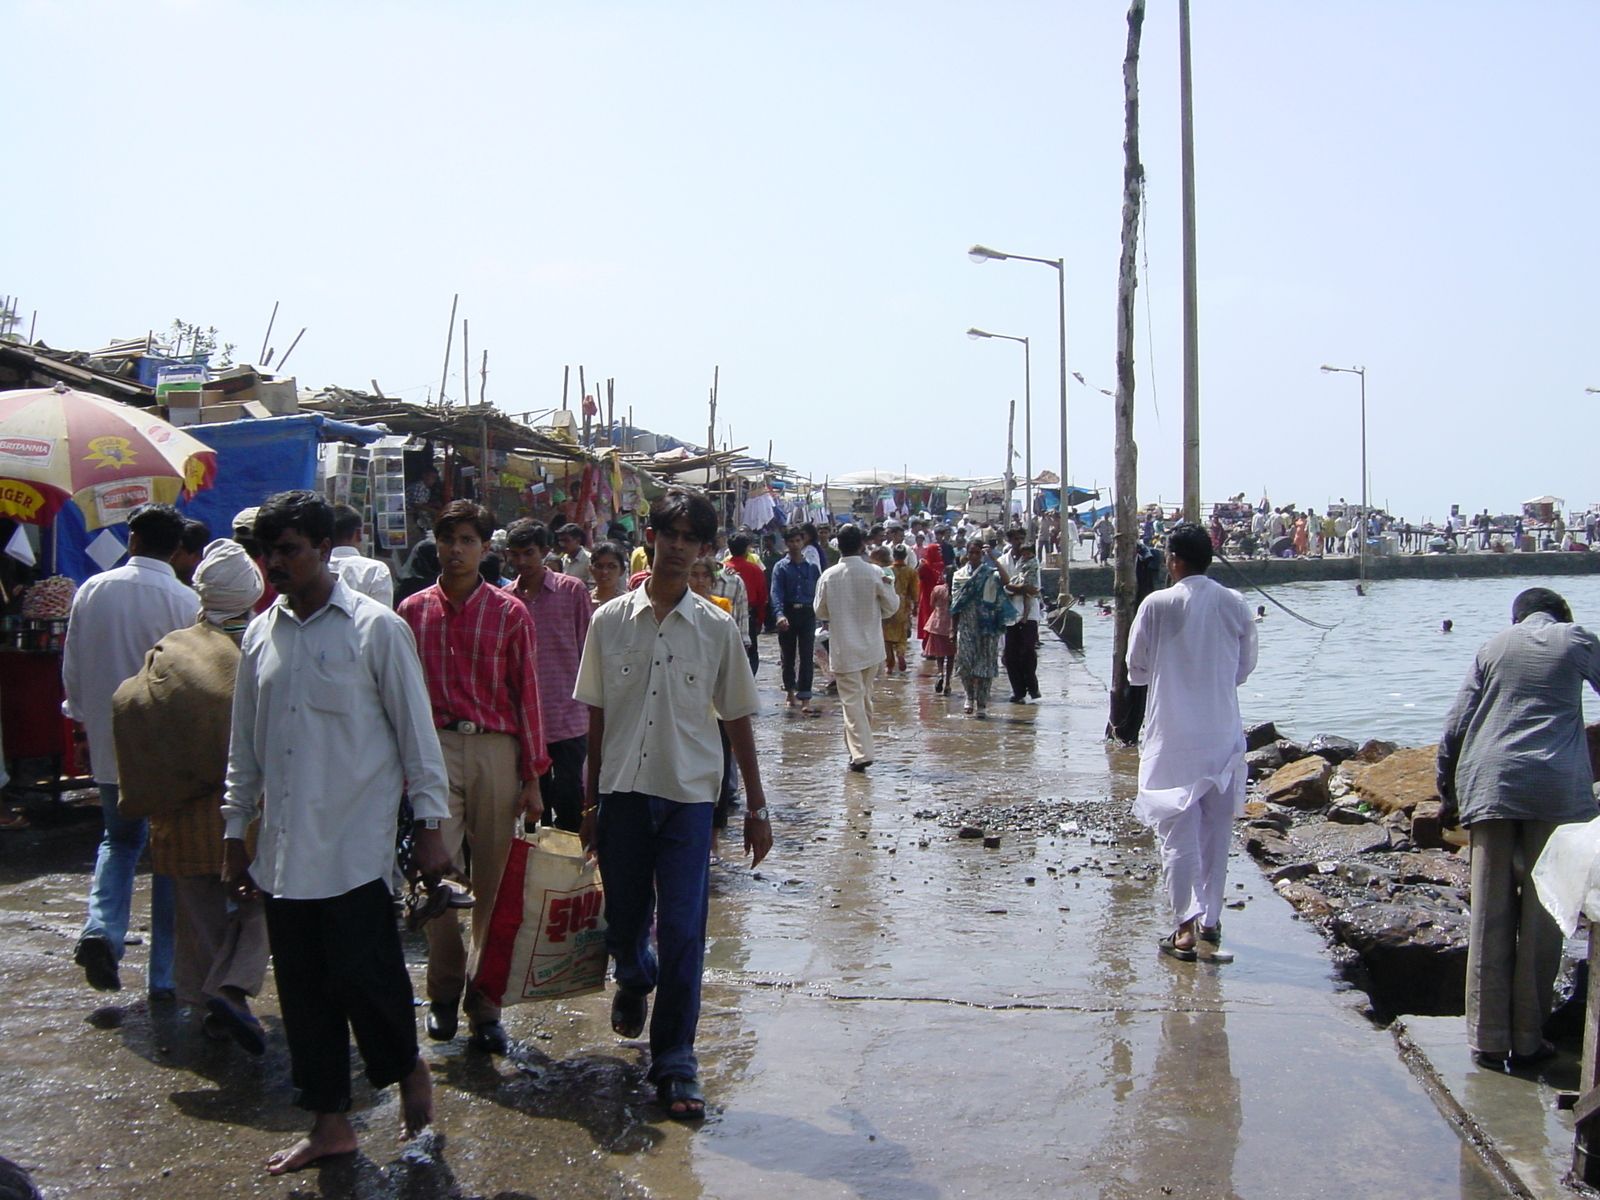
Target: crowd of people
[(311, 766), (1265, 530), (318, 749)]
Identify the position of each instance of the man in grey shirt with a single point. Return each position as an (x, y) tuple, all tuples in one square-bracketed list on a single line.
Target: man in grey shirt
[(1514, 762)]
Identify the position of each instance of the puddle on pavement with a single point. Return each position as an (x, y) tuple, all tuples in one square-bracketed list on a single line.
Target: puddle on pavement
[(891, 1011)]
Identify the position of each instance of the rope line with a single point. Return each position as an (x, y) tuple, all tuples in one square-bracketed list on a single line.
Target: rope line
[(1257, 587)]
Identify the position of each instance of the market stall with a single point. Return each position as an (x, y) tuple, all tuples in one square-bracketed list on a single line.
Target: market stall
[(74, 460)]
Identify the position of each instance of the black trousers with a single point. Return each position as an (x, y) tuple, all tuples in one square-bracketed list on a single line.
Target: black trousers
[(799, 640), (339, 968), (754, 649), (1021, 658), (561, 787)]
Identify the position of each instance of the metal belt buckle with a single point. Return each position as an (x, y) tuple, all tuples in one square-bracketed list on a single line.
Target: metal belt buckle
[(469, 727)]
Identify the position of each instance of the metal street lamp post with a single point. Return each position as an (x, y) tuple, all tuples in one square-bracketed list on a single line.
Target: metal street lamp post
[(980, 254), (1361, 371), (1027, 422)]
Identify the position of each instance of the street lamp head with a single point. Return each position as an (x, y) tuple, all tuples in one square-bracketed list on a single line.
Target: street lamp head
[(976, 333), (1327, 368), (980, 252)]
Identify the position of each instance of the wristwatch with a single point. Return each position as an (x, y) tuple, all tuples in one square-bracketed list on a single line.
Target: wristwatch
[(430, 823), (757, 814)]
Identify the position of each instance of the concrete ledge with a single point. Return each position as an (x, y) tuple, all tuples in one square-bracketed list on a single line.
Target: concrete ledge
[(1509, 1119), (1097, 581)]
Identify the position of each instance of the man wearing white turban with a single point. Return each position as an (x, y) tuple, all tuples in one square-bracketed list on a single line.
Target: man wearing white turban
[(172, 722)]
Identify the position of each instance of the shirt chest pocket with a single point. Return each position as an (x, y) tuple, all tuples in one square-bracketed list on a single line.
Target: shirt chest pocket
[(689, 680), (333, 679), (627, 668)]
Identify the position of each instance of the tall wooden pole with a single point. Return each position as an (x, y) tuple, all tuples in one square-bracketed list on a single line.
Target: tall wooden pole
[(449, 341), (1191, 305), (1126, 714), (1011, 457), (466, 366)]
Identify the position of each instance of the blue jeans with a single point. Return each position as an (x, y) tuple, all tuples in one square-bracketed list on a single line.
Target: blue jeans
[(111, 894), (655, 857)]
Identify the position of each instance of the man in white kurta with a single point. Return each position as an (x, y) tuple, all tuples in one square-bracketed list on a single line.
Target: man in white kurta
[(1193, 644)]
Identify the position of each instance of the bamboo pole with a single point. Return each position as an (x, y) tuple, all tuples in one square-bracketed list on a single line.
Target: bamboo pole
[(449, 342), (1126, 703), (466, 367)]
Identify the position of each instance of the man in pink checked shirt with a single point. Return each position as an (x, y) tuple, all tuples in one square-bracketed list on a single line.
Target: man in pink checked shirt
[(477, 645), (560, 608)]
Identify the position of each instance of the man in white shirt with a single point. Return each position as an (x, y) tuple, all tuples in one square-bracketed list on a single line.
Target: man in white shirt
[(1193, 644), (854, 597), (360, 573), (331, 721), (117, 618), (661, 667)]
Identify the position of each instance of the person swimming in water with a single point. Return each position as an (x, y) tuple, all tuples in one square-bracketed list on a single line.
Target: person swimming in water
[(1261, 612), (1447, 626)]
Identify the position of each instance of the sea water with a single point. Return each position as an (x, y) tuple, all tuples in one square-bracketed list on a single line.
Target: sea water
[(1383, 668)]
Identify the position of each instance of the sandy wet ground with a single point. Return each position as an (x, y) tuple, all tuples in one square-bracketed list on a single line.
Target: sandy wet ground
[(891, 1012)]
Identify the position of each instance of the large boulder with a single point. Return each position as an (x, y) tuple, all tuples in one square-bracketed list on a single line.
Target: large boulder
[(1307, 900), (1401, 781), (1439, 867), (1302, 784), (1331, 841), (1414, 951), (1264, 761), (1373, 750), (1332, 747), (1260, 735), (1427, 829)]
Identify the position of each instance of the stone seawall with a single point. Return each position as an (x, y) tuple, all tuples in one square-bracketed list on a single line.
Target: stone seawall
[(1095, 582)]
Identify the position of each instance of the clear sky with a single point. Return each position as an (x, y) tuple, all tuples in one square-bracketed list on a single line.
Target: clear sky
[(788, 191)]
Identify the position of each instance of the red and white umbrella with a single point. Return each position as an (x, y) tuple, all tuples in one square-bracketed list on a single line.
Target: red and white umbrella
[(57, 444)]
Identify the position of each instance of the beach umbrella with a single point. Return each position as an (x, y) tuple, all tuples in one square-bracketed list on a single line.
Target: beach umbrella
[(57, 444)]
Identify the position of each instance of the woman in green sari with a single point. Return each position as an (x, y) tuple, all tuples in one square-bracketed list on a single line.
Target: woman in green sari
[(979, 605)]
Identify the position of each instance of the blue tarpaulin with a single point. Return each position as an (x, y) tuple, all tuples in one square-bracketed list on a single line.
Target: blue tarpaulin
[(258, 458), (255, 458)]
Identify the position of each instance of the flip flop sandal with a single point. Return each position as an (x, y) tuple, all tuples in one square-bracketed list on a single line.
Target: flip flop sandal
[(1171, 949), (681, 1091), (243, 1027), (1212, 933), (628, 1012), (424, 903)]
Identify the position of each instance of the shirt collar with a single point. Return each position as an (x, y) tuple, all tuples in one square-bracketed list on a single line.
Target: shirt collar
[(152, 564), (345, 552), (474, 597), (639, 603), (342, 598)]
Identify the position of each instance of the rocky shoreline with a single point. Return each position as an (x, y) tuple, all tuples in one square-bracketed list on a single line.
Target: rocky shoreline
[(1350, 836)]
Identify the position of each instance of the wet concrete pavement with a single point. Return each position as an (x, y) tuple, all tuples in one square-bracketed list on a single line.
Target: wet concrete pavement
[(892, 1012)]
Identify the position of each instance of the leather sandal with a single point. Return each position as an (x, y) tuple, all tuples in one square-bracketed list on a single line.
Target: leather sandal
[(1169, 946), (681, 1091), (628, 1012)]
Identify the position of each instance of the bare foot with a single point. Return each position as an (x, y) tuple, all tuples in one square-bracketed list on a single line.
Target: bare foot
[(1183, 939), (331, 1134), (416, 1101)]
